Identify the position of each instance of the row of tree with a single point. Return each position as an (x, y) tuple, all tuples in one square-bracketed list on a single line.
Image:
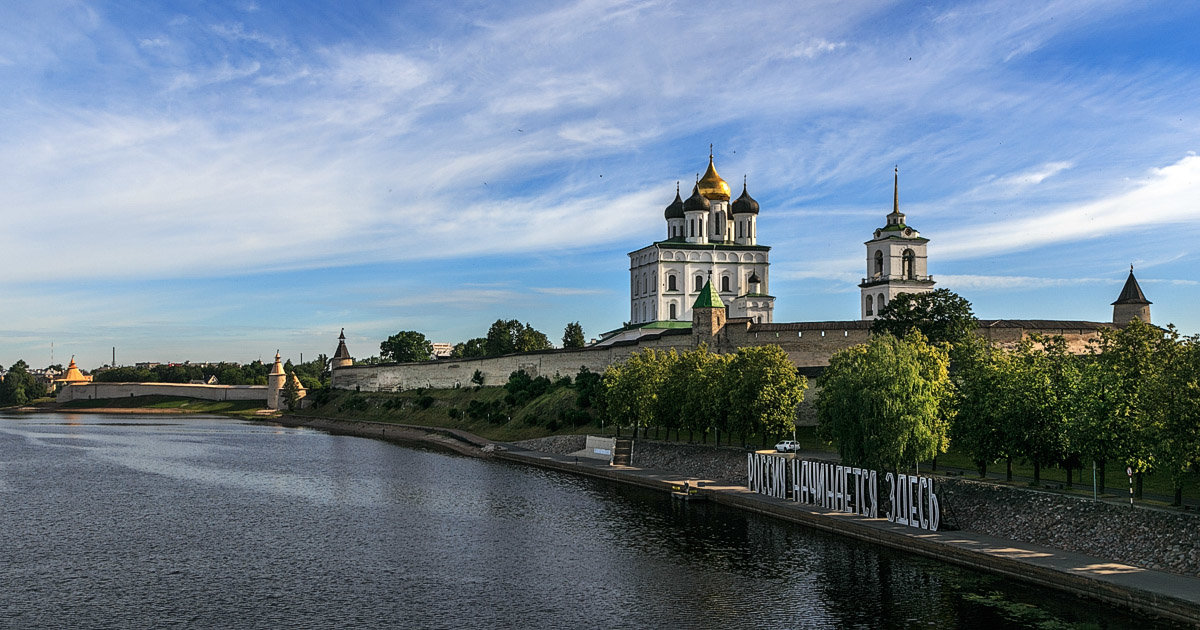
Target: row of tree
[(1134, 399), (754, 391), (312, 374), (503, 337), (925, 379)]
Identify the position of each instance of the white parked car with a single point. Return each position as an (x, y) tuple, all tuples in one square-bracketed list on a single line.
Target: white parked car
[(787, 446)]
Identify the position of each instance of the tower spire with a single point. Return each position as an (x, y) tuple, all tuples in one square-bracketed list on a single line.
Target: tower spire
[(896, 192), (896, 217)]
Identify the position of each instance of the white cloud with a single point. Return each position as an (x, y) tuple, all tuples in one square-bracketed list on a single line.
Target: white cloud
[(1165, 195)]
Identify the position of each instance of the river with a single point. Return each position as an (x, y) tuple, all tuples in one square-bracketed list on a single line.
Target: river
[(206, 522)]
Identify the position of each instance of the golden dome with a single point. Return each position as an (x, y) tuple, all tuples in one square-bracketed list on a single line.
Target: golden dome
[(711, 185)]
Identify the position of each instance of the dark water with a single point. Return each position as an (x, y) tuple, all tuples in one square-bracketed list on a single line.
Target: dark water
[(137, 522)]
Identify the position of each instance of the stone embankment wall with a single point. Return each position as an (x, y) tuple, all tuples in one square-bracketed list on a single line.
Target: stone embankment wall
[(807, 344), (92, 391), (1146, 537)]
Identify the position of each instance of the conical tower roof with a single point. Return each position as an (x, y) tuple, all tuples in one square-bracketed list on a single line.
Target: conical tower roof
[(341, 352), (1131, 293), (709, 298)]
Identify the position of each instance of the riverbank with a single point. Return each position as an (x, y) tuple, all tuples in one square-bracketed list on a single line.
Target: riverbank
[(1150, 591)]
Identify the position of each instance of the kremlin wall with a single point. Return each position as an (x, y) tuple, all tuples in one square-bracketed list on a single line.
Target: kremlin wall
[(707, 283)]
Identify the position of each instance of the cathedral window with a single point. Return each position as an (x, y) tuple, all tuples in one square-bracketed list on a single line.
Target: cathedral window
[(878, 263), (870, 305), (879, 302), (699, 283), (910, 264), (672, 309), (724, 283), (671, 284)]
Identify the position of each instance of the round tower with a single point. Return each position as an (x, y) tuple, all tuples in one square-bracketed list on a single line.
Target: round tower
[(341, 357), (1132, 303), (275, 382)]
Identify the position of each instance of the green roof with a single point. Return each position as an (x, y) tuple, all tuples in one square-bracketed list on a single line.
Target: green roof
[(709, 298), (667, 324)]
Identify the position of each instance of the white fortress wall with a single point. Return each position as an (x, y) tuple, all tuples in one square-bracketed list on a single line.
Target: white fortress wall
[(89, 391)]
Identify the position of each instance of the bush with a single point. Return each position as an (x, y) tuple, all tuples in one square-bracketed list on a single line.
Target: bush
[(425, 402), (454, 413), (354, 403)]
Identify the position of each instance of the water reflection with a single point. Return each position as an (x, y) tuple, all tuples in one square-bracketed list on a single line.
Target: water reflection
[(208, 522)]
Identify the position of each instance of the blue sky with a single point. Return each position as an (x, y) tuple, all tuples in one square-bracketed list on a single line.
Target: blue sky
[(215, 180)]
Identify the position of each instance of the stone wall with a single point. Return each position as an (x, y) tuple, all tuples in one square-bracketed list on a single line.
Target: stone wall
[(449, 373), (807, 344), (1146, 537), (91, 391)]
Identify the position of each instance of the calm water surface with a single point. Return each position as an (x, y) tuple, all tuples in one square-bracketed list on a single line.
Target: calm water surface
[(203, 522)]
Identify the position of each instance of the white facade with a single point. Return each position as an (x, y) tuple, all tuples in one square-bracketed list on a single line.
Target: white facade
[(896, 262), (665, 279), (707, 237)]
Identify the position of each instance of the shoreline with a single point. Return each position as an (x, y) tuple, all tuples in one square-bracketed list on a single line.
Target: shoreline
[(1156, 593)]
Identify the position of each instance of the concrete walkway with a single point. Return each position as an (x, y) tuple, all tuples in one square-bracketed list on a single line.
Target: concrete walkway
[(1152, 592)]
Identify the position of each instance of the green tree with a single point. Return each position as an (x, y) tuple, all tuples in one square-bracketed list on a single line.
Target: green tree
[(477, 378), (470, 348), (979, 389), (406, 345), (1037, 381), (941, 316), (631, 388), (1113, 417), (511, 336), (765, 392), (886, 403), (290, 393), (1176, 403), (18, 386), (573, 336), (699, 377)]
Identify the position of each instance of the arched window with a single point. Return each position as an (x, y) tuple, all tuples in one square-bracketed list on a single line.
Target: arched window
[(878, 263), (870, 305), (910, 264), (720, 222), (724, 283), (672, 309), (671, 284), (637, 285), (699, 282), (879, 302)]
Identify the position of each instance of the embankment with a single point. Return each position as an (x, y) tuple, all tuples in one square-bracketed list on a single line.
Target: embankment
[(1010, 531)]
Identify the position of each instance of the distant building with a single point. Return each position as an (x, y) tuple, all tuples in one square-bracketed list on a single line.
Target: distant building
[(341, 357), (896, 261), (708, 239), (72, 376), (442, 349)]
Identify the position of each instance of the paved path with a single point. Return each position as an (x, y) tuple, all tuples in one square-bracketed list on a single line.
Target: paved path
[(1154, 592)]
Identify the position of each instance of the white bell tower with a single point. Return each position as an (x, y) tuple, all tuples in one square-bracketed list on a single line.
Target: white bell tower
[(896, 261)]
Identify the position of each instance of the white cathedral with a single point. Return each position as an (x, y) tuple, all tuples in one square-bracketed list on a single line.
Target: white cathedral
[(710, 239)]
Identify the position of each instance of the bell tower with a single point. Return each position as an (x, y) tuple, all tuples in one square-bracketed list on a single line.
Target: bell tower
[(896, 261)]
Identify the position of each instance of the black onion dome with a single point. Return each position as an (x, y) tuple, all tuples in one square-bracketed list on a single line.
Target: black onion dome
[(675, 210), (697, 202), (745, 204)]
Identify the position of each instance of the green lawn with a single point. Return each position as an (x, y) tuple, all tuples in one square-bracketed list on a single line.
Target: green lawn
[(185, 405)]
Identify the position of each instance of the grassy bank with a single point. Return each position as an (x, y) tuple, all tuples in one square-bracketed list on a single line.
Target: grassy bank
[(482, 411), (169, 403)]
